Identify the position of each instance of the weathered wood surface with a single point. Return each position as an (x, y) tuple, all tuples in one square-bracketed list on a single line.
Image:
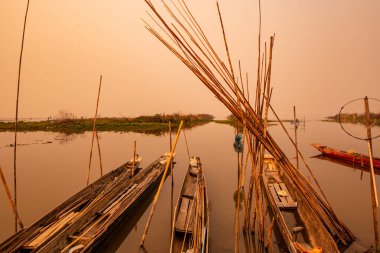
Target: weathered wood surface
[(315, 233), (191, 221), (88, 215)]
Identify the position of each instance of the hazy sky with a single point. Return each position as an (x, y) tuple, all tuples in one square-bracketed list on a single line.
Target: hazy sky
[(326, 53)]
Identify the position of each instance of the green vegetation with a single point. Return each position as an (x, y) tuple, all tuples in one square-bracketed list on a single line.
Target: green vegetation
[(232, 121), (354, 118), (155, 124)]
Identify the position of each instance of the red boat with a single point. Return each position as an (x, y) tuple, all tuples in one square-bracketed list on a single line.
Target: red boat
[(355, 158)]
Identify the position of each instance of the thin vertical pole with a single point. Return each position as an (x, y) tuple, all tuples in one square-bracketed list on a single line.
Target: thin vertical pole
[(93, 130), (99, 153), (295, 135), (16, 119), (170, 148), (375, 202), (134, 158)]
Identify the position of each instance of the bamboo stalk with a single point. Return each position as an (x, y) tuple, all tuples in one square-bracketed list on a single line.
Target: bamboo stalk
[(170, 148), (375, 202), (222, 84), (93, 130), (134, 158), (160, 186), (13, 206), (16, 117), (99, 153), (295, 135)]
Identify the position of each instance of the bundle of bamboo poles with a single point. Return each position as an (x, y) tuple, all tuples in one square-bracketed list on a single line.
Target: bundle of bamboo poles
[(176, 27)]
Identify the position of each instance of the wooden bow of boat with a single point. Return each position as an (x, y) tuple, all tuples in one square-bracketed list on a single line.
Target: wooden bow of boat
[(191, 219), (87, 219), (301, 229)]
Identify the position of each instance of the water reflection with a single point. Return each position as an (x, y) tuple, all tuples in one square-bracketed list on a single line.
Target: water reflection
[(65, 138), (65, 166)]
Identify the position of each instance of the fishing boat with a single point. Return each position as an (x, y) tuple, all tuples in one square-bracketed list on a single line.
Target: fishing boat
[(191, 219), (355, 158), (298, 224), (87, 219)]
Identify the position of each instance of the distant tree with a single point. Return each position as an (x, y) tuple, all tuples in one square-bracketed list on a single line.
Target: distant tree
[(65, 116)]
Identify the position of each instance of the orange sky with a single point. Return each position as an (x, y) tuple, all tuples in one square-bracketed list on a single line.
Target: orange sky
[(326, 53)]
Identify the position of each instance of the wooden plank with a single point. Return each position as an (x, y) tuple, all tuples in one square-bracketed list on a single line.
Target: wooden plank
[(189, 186), (282, 199), (291, 202), (180, 223), (274, 195)]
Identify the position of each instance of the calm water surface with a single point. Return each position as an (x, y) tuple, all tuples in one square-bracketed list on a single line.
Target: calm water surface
[(52, 167)]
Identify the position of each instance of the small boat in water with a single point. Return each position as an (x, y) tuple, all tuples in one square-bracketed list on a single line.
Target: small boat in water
[(87, 219), (354, 158), (191, 218), (298, 224)]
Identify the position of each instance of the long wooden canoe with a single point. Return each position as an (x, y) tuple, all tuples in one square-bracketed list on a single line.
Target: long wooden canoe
[(355, 158), (191, 219), (301, 230), (87, 219)]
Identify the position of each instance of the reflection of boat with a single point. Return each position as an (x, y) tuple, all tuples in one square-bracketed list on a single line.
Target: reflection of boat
[(89, 217), (352, 157), (298, 223), (190, 233), (345, 163)]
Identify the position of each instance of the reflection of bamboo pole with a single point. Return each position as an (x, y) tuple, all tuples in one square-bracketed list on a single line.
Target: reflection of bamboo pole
[(134, 158), (375, 202), (170, 148), (16, 120), (160, 186), (295, 135), (6, 188), (93, 130), (99, 153)]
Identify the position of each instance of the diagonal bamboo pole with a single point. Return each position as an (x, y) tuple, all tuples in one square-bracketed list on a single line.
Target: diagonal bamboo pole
[(6, 188), (160, 186), (93, 130)]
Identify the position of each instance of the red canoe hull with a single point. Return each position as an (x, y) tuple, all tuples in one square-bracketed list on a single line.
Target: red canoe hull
[(356, 158)]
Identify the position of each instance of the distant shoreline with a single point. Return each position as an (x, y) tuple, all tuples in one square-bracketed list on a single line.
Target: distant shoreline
[(143, 124)]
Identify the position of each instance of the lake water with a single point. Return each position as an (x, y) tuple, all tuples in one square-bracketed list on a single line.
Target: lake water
[(52, 167)]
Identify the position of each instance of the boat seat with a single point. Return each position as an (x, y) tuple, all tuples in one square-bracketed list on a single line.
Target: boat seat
[(281, 196), (183, 217)]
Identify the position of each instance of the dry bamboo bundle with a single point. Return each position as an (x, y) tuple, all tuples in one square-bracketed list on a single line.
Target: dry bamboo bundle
[(179, 31)]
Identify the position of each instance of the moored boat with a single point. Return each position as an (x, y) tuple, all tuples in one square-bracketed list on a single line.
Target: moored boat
[(87, 219), (191, 218), (355, 158), (298, 224)]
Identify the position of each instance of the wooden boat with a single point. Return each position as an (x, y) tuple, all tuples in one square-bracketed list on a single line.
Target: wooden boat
[(191, 219), (356, 158), (301, 230), (345, 163), (88, 218)]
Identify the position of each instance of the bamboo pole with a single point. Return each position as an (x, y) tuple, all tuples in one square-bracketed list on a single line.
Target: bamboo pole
[(134, 158), (13, 206), (160, 186), (295, 135), (93, 130), (170, 148), (16, 117), (99, 153), (375, 202)]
